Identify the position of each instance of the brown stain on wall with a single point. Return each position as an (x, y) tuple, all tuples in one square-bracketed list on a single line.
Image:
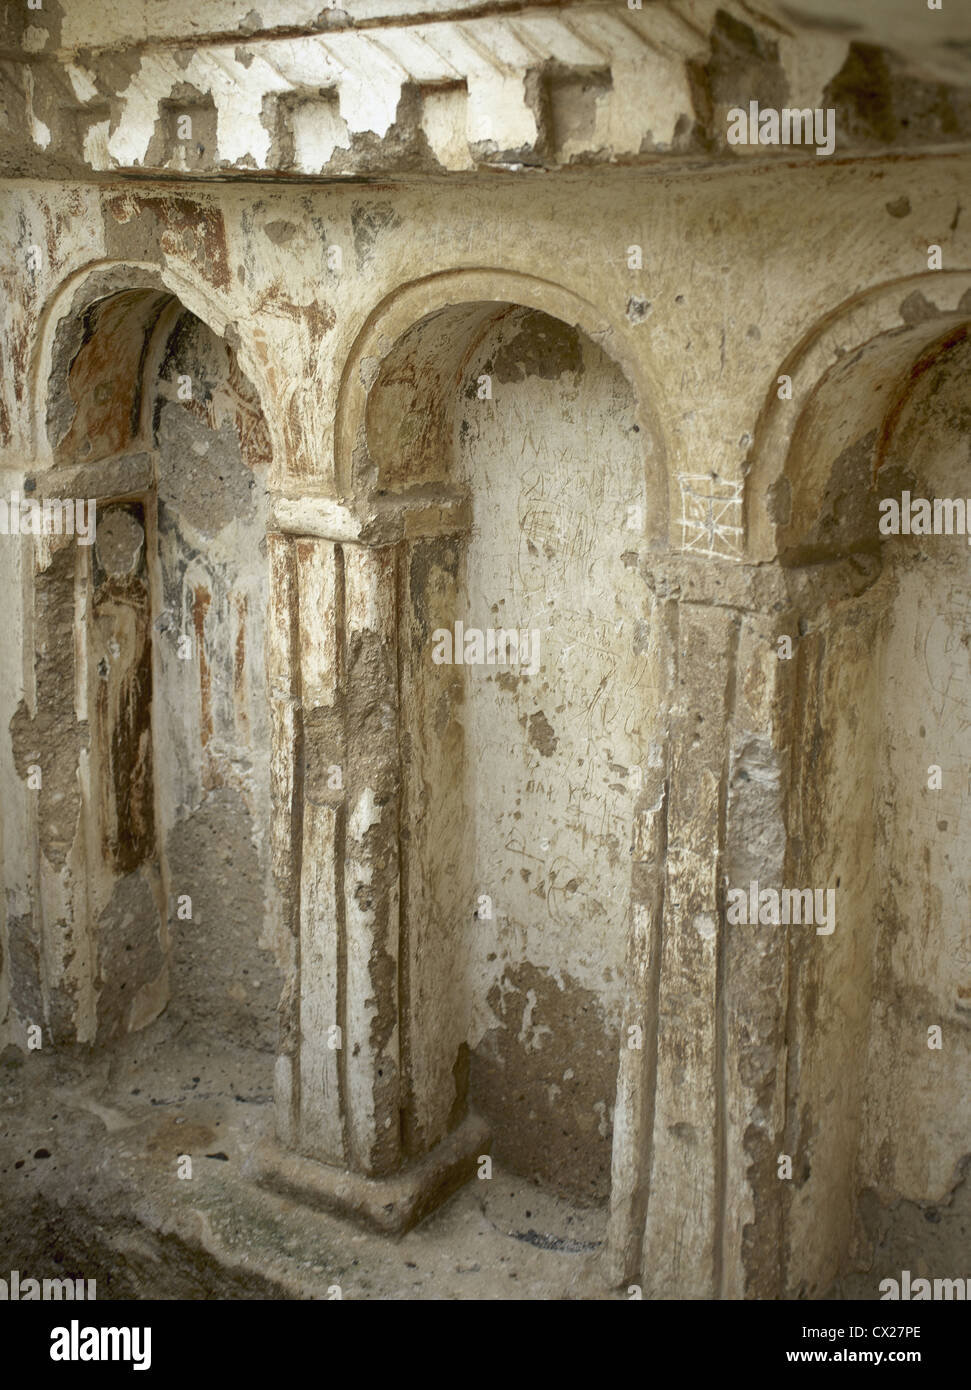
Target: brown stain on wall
[(104, 378), (545, 1079), (538, 345), (541, 735), (931, 358), (239, 667), (182, 227), (52, 738), (201, 600), (5, 432), (319, 318), (248, 418), (122, 650), (123, 719)]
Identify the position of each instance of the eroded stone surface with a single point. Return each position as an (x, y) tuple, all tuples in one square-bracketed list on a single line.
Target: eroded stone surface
[(360, 325)]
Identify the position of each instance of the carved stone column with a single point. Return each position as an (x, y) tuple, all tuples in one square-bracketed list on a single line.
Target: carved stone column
[(333, 670)]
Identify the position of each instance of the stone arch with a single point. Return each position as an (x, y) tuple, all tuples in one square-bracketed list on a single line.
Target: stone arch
[(846, 373), (161, 721), (98, 279), (376, 1079), (411, 884), (462, 302)]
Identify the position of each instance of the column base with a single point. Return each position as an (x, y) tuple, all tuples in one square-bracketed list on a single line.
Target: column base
[(392, 1204)]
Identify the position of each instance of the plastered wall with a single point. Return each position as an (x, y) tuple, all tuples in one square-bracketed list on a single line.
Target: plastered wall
[(600, 494)]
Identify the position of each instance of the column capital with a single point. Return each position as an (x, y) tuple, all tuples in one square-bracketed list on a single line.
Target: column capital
[(374, 521), (760, 588)]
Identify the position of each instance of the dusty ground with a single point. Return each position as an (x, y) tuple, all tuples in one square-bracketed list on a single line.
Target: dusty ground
[(88, 1188), (89, 1149)]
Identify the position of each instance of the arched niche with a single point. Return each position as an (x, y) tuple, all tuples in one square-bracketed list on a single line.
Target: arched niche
[(431, 322), (518, 781), (819, 438), (917, 1114), (163, 874), (885, 418)]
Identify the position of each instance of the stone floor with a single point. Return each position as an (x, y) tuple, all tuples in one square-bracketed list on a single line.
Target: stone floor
[(89, 1146), (89, 1149)]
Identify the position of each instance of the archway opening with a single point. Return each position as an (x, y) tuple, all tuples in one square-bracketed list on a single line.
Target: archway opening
[(881, 677), (528, 670), (917, 1111), (150, 414)]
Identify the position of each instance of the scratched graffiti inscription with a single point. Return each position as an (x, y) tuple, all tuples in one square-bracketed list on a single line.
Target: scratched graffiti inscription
[(549, 552)]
